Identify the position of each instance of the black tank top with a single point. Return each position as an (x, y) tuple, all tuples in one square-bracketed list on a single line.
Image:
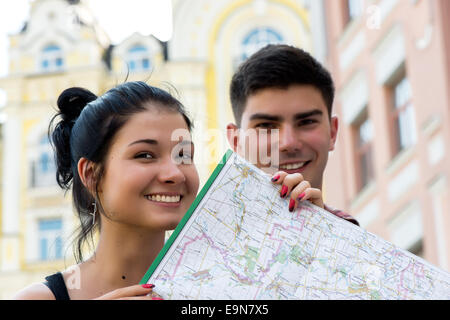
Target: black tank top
[(56, 284)]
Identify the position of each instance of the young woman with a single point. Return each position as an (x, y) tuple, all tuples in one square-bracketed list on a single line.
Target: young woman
[(130, 181), (115, 153)]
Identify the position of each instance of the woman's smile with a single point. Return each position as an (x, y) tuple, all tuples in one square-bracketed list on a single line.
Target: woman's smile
[(165, 199)]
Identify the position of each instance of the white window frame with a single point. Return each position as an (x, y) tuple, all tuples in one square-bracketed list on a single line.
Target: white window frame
[(404, 115), (355, 8), (38, 179), (52, 239)]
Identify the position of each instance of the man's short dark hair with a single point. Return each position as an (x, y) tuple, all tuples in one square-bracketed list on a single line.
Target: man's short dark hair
[(278, 66)]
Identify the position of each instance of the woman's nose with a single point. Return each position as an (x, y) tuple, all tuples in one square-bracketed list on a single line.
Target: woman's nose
[(171, 173)]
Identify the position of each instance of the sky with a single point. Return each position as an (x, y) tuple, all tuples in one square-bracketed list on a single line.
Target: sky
[(119, 18)]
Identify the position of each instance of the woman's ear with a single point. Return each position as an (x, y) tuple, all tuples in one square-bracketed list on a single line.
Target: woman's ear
[(86, 171)]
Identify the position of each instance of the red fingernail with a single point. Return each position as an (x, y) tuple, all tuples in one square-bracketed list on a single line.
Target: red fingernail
[(291, 205), (156, 298), (148, 286), (300, 197), (275, 179), (284, 190)]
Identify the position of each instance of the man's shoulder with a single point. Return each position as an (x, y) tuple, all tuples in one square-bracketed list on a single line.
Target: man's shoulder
[(341, 214)]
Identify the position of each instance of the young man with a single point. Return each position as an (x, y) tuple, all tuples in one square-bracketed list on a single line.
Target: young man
[(283, 90)]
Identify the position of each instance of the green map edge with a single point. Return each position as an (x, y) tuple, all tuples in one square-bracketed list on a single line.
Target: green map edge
[(186, 217)]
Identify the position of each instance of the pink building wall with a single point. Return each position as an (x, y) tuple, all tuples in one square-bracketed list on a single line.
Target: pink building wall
[(353, 49)]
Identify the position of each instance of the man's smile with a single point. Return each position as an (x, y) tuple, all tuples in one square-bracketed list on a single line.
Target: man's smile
[(293, 167)]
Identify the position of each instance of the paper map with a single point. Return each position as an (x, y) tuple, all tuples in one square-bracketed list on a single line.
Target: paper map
[(239, 241)]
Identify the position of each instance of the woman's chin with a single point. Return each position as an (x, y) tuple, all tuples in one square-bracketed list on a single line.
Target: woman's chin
[(171, 227), (171, 224)]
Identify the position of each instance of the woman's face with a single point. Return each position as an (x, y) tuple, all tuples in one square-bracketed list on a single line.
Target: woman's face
[(143, 183)]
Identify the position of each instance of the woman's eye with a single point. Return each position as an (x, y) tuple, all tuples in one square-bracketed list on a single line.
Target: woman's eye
[(184, 155), (144, 155)]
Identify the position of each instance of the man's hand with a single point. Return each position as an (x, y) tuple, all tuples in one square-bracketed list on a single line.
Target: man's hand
[(298, 188)]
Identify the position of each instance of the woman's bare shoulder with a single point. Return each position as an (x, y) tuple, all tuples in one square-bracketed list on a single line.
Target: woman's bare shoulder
[(35, 291)]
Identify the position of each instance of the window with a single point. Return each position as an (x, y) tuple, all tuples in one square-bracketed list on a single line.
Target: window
[(50, 239), (255, 40), (353, 9), (363, 154), (403, 117), (52, 59), (43, 169), (406, 228), (417, 248), (138, 59)]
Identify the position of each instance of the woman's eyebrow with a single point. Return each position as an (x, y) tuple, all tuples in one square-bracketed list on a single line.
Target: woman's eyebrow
[(147, 141), (185, 142)]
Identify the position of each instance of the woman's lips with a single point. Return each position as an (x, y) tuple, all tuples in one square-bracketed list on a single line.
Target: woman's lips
[(165, 200)]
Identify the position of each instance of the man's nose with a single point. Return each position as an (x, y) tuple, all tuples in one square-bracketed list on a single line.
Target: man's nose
[(289, 140)]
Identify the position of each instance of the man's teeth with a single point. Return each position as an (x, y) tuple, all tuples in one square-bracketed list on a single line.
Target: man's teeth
[(159, 198), (292, 166)]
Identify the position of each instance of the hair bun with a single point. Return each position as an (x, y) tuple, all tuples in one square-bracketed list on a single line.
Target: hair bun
[(72, 101)]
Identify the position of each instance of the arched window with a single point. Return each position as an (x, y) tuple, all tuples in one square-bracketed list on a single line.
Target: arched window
[(138, 58), (256, 39), (52, 58), (43, 169)]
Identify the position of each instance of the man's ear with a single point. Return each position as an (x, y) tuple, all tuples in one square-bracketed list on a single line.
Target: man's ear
[(233, 136), (86, 171), (334, 126)]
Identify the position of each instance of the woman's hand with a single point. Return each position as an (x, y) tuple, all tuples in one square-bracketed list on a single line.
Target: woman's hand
[(298, 188), (136, 292)]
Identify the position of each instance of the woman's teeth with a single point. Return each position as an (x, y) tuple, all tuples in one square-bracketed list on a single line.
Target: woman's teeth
[(292, 166), (159, 198)]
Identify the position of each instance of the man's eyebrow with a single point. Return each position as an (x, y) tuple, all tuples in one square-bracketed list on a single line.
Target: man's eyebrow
[(308, 114), (263, 116), (298, 116), (148, 141)]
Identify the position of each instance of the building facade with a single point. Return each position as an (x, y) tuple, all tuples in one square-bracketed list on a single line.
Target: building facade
[(390, 62), (62, 45)]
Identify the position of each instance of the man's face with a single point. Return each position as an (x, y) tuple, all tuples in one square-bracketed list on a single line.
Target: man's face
[(305, 132)]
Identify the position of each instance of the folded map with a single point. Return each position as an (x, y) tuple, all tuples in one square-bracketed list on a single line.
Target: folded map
[(239, 241)]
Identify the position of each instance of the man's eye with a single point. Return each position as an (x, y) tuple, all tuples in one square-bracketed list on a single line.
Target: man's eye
[(265, 125), (306, 122)]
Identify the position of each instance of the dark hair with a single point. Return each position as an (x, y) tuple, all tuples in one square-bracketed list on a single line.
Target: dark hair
[(85, 129), (278, 66)]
